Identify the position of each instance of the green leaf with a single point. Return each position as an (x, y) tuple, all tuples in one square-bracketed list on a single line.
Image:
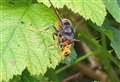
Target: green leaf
[(89, 9), (114, 8), (114, 35), (21, 47), (26, 77)]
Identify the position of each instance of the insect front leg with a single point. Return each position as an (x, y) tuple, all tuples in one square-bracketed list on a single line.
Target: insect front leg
[(54, 34)]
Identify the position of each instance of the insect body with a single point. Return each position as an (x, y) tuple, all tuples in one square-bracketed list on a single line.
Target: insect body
[(65, 35)]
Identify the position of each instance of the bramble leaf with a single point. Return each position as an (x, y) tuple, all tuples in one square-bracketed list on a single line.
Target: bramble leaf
[(89, 9), (114, 8), (27, 77), (20, 46)]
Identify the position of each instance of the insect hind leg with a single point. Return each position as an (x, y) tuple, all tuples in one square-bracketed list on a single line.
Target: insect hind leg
[(75, 40)]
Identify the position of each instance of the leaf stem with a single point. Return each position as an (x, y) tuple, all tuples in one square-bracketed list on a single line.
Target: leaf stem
[(77, 61)]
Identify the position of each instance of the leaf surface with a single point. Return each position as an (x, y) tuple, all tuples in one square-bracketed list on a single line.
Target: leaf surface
[(114, 35), (114, 8), (89, 9), (21, 47)]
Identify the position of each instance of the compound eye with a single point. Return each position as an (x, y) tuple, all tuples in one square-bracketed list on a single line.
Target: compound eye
[(66, 23)]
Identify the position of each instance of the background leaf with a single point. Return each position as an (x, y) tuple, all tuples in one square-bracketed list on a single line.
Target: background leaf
[(20, 47), (114, 8), (102, 54), (114, 35), (89, 9)]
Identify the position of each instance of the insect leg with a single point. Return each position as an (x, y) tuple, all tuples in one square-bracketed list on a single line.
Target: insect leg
[(42, 30), (52, 27), (54, 34), (37, 30), (75, 40)]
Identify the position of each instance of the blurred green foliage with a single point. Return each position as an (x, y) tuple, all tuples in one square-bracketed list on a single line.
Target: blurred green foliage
[(25, 55)]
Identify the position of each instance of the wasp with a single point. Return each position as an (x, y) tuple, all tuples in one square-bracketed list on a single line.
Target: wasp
[(64, 33)]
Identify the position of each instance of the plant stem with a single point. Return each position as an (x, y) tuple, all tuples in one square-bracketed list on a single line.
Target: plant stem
[(77, 61)]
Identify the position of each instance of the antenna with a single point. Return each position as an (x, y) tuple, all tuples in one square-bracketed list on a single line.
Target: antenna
[(56, 12)]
